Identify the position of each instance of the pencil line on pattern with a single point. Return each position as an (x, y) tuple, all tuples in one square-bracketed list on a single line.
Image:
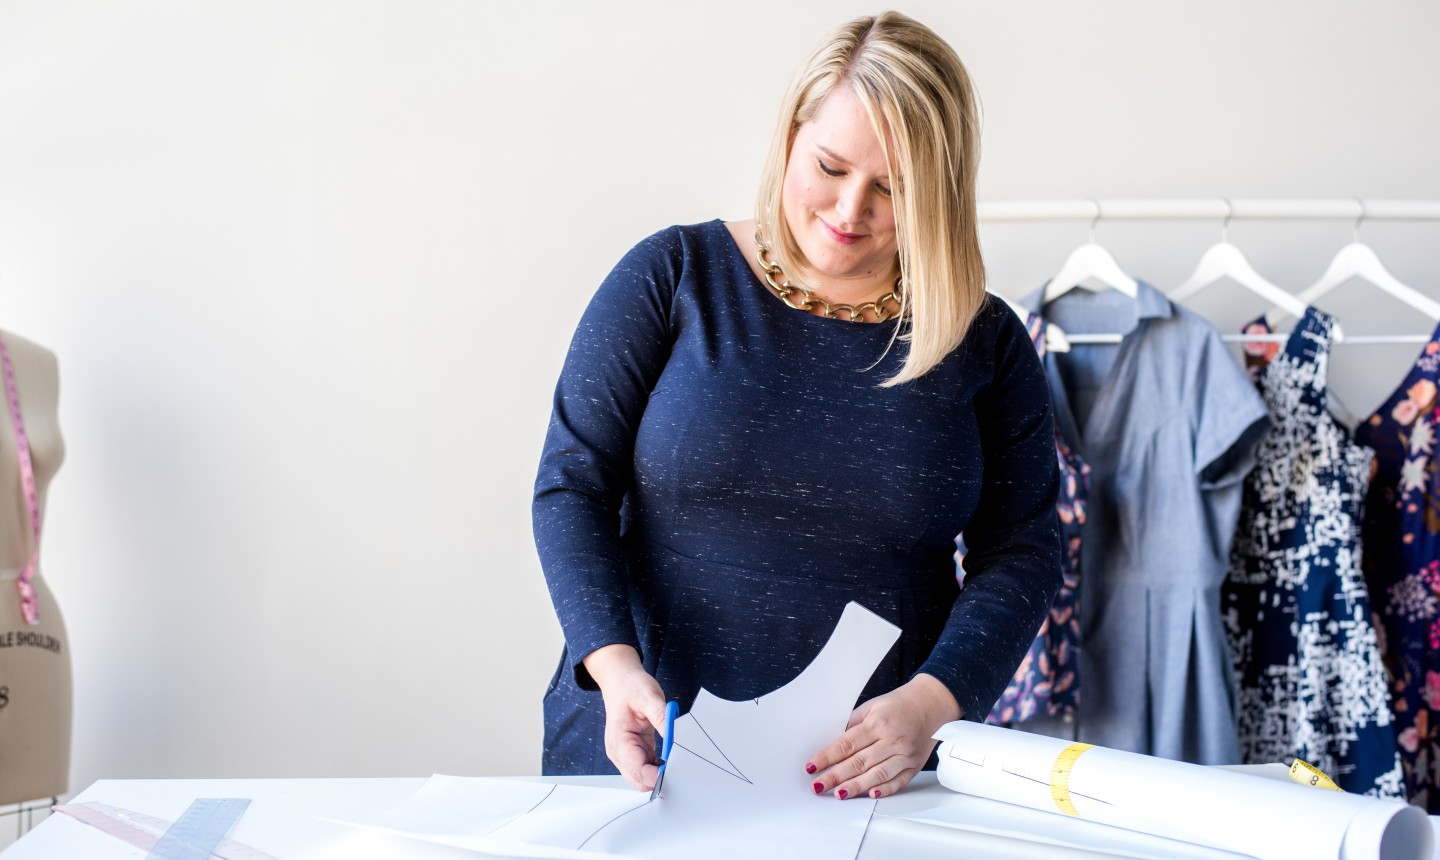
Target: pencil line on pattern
[(612, 821), (516, 818), (735, 771)]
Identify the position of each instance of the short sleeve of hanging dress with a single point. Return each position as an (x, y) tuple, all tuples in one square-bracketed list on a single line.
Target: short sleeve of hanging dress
[(1229, 415), (619, 350)]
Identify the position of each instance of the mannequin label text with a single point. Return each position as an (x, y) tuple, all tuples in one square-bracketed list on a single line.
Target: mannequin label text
[(27, 639)]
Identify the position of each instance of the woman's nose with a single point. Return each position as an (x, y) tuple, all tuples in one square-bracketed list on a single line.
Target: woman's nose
[(854, 202)]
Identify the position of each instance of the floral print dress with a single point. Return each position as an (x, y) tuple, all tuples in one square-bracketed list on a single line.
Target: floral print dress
[(1297, 612), (1047, 684), (1402, 564)]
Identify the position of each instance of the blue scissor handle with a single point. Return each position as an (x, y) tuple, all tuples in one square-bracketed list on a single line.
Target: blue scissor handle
[(672, 710)]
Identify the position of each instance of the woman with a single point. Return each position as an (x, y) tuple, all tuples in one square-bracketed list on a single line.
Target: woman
[(760, 421)]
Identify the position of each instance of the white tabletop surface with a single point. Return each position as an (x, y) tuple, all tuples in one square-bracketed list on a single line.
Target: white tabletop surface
[(284, 820)]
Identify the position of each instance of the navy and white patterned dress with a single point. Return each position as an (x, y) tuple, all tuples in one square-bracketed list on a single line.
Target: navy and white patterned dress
[(1312, 683)]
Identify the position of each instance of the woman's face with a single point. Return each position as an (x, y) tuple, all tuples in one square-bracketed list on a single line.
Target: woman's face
[(837, 197)]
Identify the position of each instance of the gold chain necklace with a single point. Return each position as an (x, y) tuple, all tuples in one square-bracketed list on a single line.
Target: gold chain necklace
[(885, 308)]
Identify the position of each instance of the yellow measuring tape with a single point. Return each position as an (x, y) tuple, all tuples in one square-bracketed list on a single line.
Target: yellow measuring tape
[(1060, 777), (1301, 771), (1306, 773)]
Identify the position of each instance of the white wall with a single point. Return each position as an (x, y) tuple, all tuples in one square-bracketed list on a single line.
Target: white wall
[(311, 267)]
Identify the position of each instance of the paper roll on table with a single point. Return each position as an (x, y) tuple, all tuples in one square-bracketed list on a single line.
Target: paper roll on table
[(1264, 818)]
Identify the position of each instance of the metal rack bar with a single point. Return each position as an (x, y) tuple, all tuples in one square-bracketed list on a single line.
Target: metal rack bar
[(1211, 209)]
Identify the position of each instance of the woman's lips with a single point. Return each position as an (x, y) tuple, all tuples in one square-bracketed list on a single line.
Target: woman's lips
[(842, 237)]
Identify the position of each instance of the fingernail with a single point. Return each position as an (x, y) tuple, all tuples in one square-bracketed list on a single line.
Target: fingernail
[(819, 787), (875, 793), (844, 794), (809, 768)]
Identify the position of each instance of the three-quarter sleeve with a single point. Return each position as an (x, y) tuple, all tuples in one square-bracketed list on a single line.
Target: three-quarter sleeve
[(1012, 560), (586, 468)]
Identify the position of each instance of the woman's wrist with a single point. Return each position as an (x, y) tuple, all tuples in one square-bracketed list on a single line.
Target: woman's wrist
[(937, 700), (611, 661)]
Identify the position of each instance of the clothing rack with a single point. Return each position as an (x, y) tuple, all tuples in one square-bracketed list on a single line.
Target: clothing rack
[(1211, 209), (1220, 209)]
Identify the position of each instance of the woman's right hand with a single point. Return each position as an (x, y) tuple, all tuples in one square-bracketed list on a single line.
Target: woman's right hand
[(634, 712)]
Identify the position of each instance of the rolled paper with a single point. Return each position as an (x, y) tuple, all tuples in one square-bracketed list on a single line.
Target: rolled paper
[(1265, 818)]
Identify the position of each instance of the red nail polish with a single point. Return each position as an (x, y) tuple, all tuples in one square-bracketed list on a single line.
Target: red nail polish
[(875, 793), (809, 768), (844, 794), (819, 787)]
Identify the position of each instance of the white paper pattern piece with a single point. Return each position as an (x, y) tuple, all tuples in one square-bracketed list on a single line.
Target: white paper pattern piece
[(735, 784), (505, 817), (1256, 816)]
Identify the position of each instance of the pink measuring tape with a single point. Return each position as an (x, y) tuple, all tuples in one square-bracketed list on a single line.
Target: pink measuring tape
[(28, 605)]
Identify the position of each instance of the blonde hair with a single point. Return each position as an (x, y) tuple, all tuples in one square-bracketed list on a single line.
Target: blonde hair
[(914, 87)]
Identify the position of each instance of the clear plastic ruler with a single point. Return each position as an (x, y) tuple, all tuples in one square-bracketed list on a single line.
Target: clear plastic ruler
[(146, 831)]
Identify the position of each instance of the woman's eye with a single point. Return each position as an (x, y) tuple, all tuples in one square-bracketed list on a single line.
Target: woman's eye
[(830, 171)]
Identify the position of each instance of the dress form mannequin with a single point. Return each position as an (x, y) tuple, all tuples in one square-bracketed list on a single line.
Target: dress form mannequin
[(35, 692)]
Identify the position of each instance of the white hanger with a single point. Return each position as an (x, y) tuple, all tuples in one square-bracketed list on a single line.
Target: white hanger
[(1358, 260), (1225, 260), (1055, 339), (1089, 261)]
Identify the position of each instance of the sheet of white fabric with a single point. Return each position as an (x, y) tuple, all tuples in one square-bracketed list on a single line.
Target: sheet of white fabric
[(1266, 818), (735, 784)]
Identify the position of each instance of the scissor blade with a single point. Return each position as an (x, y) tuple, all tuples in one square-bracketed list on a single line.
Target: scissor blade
[(659, 781)]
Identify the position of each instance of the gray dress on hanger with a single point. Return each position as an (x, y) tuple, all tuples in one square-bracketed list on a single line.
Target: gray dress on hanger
[(1168, 422)]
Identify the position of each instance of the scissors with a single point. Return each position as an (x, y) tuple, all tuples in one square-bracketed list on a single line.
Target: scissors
[(672, 710)]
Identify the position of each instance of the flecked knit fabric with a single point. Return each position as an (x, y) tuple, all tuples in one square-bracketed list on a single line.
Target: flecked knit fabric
[(723, 473)]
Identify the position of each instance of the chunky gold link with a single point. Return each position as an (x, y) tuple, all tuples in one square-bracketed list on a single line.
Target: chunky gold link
[(808, 301), (802, 304)]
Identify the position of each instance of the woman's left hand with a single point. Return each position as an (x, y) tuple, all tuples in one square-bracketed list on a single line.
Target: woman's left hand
[(887, 741)]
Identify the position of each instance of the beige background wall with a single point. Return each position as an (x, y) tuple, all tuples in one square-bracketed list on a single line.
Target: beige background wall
[(311, 268)]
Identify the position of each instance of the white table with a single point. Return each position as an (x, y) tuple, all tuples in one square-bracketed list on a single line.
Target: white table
[(282, 821)]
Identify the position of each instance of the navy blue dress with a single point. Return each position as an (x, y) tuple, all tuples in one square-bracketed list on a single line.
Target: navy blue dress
[(723, 473), (1297, 611)]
